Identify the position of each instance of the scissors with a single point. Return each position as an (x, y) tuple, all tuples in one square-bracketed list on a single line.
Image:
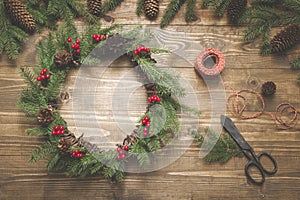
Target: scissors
[(254, 160)]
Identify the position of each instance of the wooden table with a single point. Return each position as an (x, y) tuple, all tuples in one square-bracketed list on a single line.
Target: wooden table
[(187, 178)]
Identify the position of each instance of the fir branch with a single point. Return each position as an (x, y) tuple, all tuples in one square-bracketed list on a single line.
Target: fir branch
[(167, 82), (54, 160), (43, 151), (54, 85), (221, 9), (224, 149), (190, 13), (211, 4), (109, 5), (170, 12), (140, 7), (295, 64), (38, 131)]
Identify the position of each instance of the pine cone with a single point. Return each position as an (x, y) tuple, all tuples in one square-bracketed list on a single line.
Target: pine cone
[(19, 15), (285, 39), (151, 9), (67, 141), (94, 6), (45, 116), (235, 9), (268, 88), (130, 139), (62, 59)]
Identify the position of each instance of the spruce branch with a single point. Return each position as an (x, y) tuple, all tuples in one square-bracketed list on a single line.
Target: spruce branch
[(295, 64), (170, 12), (224, 149), (42, 151), (109, 5), (190, 13), (140, 7)]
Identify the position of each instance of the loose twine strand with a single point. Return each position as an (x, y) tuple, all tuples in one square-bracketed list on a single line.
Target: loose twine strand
[(237, 98)]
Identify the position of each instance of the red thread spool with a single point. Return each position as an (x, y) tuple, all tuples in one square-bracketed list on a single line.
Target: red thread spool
[(203, 62)]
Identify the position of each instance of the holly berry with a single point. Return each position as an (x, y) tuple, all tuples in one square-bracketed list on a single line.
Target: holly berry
[(94, 36), (39, 78), (148, 124), (44, 70), (118, 157), (80, 155), (103, 37), (98, 39), (61, 128), (56, 128), (147, 50), (42, 73), (78, 51), (76, 46), (76, 151), (47, 76), (123, 156), (73, 46), (54, 132), (145, 134), (135, 52), (126, 147), (43, 77), (74, 154), (69, 39), (77, 41), (147, 118)]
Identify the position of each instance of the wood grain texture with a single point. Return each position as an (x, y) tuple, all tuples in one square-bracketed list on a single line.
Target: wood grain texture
[(188, 177)]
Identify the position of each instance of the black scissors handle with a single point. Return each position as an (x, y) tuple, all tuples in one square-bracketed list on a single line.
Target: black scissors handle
[(257, 164)]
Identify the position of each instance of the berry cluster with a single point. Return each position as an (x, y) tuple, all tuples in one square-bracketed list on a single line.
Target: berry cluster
[(43, 75), (75, 46), (58, 130), (146, 121), (98, 38), (154, 98), (77, 153), (121, 153), (140, 49)]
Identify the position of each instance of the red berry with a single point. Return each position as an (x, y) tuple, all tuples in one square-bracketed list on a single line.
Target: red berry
[(148, 124), (76, 151), (123, 156), (126, 147), (146, 129), (144, 121), (42, 73), (78, 51), (77, 41), (47, 76), (38, 78), (98, 39), (77, 46), (158, 99), (103, 37), (43, 77), (99, 36), (118, 157), (54, 132), (147, 50), (61, 128), (69, 39), (56, 128), (142, 48), (73, 154), (145, 134), (135, 52), (58, 132), (73, 46), (155, 98), (80, 155), (119, 149), (45, 70), (62, 132), (149, 99), (147, 118), (94, 36)]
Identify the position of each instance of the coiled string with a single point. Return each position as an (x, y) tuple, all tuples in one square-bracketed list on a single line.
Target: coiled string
[(237, 103)]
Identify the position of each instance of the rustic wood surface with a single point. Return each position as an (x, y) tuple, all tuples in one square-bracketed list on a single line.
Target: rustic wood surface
[(187, 178)]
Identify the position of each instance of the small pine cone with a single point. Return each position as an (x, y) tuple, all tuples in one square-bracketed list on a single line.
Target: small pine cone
[(19, 15), (67, 141), (285, 39), (151, 9), (235, 9), (130, 139), (62, 59), (268, 88), (45, 116), (94, 6)]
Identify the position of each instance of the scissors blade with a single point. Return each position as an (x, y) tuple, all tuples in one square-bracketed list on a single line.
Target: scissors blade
[(234, 133)]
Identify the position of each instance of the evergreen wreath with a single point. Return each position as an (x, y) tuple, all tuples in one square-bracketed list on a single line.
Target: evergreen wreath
[(58, 53)]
